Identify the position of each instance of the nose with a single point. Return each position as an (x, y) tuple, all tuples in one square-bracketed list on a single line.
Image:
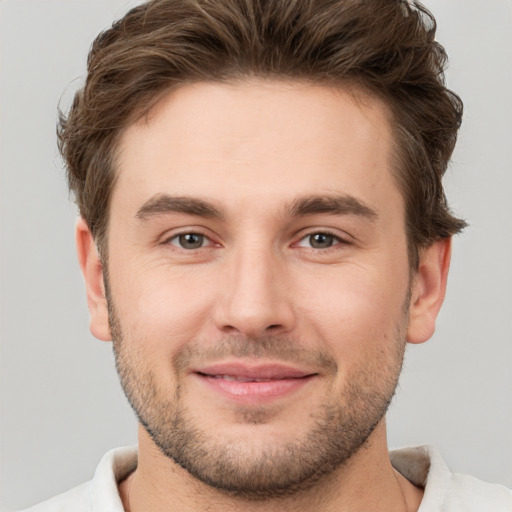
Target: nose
[(255, 298)]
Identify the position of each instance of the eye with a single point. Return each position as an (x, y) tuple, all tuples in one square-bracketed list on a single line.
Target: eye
[(319, 240), (189, 241)]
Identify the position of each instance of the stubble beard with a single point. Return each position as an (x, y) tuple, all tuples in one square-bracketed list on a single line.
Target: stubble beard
[(340, 426)]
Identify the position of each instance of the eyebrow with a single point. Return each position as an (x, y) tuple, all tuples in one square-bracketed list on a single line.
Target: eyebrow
[(163, 204), (331, 204)]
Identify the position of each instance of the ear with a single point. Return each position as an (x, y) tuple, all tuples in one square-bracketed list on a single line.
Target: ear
[(92, 271), (428, 290)]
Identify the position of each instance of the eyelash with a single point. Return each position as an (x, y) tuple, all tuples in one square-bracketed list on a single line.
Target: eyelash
[(177, 237), (337, 240)]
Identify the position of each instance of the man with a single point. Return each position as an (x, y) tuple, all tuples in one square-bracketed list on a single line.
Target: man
[(263, 228)]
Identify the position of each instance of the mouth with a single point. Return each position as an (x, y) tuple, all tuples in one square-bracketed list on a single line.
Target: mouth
[(253, 383), (238, 378)]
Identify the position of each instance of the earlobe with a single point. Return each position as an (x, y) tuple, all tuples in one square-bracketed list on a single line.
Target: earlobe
[(428, 290), (92, 271)]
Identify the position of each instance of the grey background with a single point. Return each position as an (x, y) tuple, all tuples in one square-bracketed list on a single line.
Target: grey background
[(60, 405)]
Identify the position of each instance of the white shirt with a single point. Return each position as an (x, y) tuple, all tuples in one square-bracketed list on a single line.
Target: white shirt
[(444, 491)]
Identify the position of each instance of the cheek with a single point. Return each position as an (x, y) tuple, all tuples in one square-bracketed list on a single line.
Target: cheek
[(159, 305), (355, 310)]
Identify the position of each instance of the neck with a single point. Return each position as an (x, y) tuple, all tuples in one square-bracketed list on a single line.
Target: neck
[(366, 482)]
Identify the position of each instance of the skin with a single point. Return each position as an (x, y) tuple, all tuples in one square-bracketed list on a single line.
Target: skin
[(254, 151)]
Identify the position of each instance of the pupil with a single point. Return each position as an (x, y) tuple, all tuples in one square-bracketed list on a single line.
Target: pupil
[(191, 241), (321, 240)]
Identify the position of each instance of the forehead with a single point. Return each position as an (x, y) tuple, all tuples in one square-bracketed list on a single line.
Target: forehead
[(260, 139)]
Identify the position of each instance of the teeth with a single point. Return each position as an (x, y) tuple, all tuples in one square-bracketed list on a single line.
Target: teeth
[(239, 379)]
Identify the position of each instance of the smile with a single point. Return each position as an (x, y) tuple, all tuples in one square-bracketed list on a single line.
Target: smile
[(256, 384), (242, 379)]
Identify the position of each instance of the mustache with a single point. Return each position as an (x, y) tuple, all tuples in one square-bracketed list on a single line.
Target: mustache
[(280, 349)]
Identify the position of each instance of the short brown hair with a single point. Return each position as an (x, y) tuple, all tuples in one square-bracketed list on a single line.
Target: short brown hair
[(384, 47)]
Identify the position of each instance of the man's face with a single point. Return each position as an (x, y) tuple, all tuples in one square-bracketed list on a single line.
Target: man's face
[(258, 279)]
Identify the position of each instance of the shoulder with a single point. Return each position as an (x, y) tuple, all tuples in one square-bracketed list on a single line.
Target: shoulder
[(446, 491), (101, 493), (471, 494), (75, 500)]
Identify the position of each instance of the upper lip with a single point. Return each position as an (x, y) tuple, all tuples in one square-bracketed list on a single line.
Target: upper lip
[(270, 371)]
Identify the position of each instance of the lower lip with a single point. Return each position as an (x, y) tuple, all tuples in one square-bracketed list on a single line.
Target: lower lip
[(255, 391)]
